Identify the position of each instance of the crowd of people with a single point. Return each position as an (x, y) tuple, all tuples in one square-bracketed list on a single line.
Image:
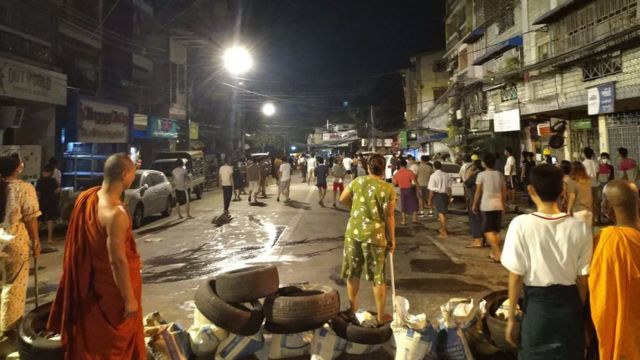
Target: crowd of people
[(563, 278)]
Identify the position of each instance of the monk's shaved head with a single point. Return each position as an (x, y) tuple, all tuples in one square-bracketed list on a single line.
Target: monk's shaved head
[(116, 166), (622, 195)]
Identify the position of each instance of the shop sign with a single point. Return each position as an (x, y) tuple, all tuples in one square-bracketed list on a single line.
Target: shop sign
[(507, 121), (544, 129), (582, 124), (194, 131), (402, 139), (101, 121), (163, 128), (601, 99), (433, 137), (21, 81), (388, 142), (379, 142)]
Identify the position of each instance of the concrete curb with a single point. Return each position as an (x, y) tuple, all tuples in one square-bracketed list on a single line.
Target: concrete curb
[(445, 249)]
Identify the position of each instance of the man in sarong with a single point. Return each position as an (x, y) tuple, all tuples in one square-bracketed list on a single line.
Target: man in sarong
[(614, 281), (548, 253), (97, 308)]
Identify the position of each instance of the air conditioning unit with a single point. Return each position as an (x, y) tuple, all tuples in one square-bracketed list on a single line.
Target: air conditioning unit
[(11, 117)]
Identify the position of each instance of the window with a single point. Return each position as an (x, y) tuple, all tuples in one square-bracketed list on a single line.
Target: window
[(438, 92), (463, 59), (601, 67), (506, 20), (543, 51), (509, 92), (439, 66)]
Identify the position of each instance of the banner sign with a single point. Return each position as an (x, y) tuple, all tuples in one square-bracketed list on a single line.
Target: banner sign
[(601, 99), (21, 81), (102, 121), (163, 128), (402, 139), (506, 121), (582, 124)]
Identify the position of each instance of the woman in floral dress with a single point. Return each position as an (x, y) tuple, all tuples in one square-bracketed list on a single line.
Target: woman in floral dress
[(18, 235), (366, 244)]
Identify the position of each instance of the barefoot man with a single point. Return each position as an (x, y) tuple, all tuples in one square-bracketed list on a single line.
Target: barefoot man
[(97, 308)]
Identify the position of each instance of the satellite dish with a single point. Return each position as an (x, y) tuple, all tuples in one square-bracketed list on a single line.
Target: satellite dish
[(556, 142)]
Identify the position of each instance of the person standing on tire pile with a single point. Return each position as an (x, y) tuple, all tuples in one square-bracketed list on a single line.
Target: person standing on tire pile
[(97, 308), (19, 211), (180, 184), (547, 254), (226, 181), (373, 203)]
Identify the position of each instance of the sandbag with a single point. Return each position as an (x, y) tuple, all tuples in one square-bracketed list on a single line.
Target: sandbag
[(168, 342), (414, 344), (361, 349), (237, 347), (452, 344), (205, 339), (326, 345), (290, 345)]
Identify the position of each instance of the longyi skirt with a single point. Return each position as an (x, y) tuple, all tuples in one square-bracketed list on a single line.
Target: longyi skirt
[(409, 200)]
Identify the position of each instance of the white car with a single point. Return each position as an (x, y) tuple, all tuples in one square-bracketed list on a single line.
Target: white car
[(150, 193), (457, 187)]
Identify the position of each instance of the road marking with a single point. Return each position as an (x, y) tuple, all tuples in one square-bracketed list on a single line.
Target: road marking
[(445, 249)]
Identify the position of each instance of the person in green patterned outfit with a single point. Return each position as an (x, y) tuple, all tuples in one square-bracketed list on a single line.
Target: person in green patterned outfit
[(373, 202)]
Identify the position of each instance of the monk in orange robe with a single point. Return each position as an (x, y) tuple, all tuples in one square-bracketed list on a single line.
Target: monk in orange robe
[(97, 308), (614, 280)]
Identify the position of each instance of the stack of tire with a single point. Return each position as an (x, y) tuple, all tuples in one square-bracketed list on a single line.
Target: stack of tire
[(239, 301), (345, 325), (494, 326), (31, 344)]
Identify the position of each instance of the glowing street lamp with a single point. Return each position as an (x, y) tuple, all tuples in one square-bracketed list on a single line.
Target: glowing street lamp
[(237, 60), (268, 109)]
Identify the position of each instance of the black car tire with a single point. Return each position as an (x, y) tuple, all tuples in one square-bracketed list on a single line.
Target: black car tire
[(32, 346), (247, 284), (294, 309), (234, 318), (346, 329), (167, 211), (138, 217), (496, 328)]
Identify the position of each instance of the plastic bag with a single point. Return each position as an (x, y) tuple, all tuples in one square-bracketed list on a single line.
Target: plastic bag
[(237, 346), (326, 345), (168, 342), (205, 339), (366, 319), (452, 344), (290, 345), (401, 317)]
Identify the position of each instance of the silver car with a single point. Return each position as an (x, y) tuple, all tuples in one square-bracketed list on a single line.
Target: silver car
[(150, 193)]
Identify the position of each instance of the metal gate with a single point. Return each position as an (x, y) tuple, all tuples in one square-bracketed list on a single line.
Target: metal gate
[(624, 131)]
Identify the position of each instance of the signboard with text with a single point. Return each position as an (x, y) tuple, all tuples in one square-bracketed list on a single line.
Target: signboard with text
[(601, 99), (194, 131), (21, 81), (163, 128), (506, 121), (102, 121)]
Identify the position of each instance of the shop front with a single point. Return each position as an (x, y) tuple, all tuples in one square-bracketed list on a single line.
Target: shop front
[(152, 135), (29, 96)]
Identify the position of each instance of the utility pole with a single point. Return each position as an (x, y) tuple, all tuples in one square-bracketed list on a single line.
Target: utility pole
[(372, 145)]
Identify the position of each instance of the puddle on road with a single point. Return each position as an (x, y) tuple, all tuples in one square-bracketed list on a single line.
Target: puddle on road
[(232, 246)]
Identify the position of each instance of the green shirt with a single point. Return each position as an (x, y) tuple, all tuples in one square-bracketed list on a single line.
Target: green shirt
[(370, 202)]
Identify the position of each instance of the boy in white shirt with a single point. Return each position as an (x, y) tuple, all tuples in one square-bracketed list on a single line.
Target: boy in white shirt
[(548, 253)]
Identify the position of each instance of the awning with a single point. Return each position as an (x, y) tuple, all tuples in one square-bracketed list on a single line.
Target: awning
[(499, 49), (473, 36), (560, 11)]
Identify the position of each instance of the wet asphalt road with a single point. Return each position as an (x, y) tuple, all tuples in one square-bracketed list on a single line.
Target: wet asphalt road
[(304, 241)]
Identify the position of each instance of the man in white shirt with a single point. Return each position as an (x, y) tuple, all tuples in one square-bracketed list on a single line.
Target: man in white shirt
[(181, 186), (284, 174), (439, 194), (548, 253), (489, 198), (412, 165), (510, 172), (593, 168), (226, 181), (347, 161), (311, 169), (338, 172)]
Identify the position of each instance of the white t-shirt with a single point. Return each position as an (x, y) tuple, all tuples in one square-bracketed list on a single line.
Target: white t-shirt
[(226, 175), (592, 168), (347, 163), (180, 178), (547, 249), (440, 182), (463, 170), (414, 167), (311, 163), (492, 184), (285, 171), (510, 166)]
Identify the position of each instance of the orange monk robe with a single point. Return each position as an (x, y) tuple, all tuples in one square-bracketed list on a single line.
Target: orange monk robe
[(88, 310), (614, 285)]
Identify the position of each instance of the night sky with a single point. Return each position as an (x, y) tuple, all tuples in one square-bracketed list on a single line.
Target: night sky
[(320, 40)]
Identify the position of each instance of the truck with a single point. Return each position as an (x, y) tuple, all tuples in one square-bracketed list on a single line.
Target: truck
[(194, 162)]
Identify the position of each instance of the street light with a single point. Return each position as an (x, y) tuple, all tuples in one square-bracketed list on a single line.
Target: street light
[(268, 109), (237, 60)]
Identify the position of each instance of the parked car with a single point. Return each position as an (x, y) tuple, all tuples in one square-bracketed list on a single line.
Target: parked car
[(457, 187), (193, 160), (150, 193)]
